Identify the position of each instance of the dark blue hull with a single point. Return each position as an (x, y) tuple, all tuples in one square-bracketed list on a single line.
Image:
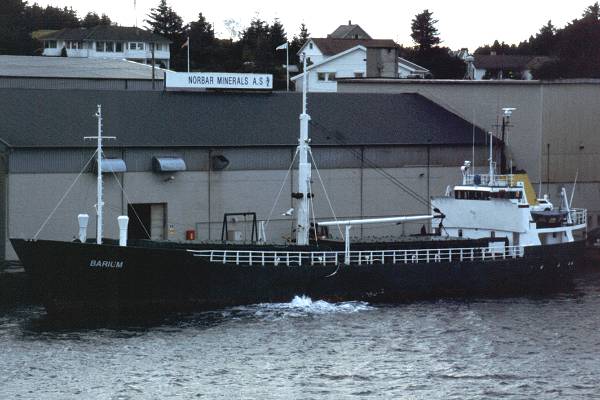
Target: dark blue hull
[(87, 278)]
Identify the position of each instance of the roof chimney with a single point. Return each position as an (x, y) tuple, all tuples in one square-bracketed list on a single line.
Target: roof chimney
[(349, 22)]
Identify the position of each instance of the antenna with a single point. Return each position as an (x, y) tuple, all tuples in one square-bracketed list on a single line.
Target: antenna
[(135, 11)]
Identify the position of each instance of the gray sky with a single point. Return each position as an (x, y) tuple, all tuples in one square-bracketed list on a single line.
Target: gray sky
[(462, 23)]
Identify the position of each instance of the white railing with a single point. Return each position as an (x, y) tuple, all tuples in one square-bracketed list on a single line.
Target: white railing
[(484, 180), (362, 257), (578, 216)]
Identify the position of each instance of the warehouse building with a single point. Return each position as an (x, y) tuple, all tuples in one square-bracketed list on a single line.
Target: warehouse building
[(182, 160), (31, 72)]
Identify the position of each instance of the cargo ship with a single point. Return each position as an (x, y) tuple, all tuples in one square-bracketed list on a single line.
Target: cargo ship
[(487, 236)]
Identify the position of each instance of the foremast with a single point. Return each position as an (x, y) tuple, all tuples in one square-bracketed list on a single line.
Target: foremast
[(304, 171), (99, 183)]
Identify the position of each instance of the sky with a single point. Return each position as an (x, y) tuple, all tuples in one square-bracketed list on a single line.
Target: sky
[(462, 23)]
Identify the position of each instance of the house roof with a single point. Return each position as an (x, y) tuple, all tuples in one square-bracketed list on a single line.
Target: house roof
[(73, 67), (344, 31), (331, 46), (502, 61), (60, 118), (105, 32), (412, 65)]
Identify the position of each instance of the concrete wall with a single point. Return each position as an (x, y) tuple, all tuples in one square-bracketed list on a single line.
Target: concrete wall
[(197, 198), (382, 63)]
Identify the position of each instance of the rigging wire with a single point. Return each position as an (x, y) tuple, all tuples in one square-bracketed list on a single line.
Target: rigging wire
[(64, 196), (129, 201), (357, 154), (312, 209), (280, 190), (325, 191)]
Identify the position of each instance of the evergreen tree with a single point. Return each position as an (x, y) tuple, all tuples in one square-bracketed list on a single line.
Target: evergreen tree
[(90, 20), (592, 12), (14, 33), (163, 21), (544, 42), (255, 43), (424, 32), (277, 37), (202, 44), (104, 20), (304, 35)]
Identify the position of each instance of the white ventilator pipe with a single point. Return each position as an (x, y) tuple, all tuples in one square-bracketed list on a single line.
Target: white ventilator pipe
[(123, 222), (83, 224)]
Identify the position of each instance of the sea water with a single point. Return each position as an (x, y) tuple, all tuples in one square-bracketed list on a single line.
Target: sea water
[(516, 348)]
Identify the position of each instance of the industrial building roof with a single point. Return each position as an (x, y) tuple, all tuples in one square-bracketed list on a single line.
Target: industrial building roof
[(71, 67), (60, 118), (105, 32)]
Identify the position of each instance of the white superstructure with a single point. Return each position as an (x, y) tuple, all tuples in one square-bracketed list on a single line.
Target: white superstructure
[(497, 206)]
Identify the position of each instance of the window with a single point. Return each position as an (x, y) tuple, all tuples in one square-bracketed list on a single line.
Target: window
[(119, 47), (158, 47), (310, 45), (100, 47), (140, 46), (331, 76), (110, 46), (321, 76), (132, 46), (359, 75), (50, 44)]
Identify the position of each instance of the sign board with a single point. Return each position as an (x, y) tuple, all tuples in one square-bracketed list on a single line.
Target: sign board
[(217, 80)]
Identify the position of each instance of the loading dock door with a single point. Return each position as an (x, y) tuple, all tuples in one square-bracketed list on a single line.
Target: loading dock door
[(146, 219)]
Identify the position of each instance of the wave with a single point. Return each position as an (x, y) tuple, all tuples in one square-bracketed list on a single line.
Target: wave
[(304, 306)]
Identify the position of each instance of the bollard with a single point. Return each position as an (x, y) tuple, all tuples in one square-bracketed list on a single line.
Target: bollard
[(123, 222), (83, 224)]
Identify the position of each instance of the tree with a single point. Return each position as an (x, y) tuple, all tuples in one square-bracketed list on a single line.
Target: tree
[(592, 12), (90, 20), (14, 35), (277, 37), (104, 20), (297, 43), (544, 42), (424, 32), (202, 37), (162, 20)]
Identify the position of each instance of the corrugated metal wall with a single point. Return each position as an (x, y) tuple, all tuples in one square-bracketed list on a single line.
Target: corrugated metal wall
[(244, 159), (79, 83)]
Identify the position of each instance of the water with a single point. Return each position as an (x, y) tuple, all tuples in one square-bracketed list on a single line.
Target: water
[(542, 348)]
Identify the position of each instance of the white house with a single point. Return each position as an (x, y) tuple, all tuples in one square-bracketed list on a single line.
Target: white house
[(107, 41), (349, 52)]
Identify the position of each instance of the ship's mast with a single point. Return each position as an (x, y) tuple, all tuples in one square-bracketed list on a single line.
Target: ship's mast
[(304, 170), (99, 186)]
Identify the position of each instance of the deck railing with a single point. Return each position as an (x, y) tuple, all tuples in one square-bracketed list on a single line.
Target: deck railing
[(360, 257), (578, 216), (484, 180)]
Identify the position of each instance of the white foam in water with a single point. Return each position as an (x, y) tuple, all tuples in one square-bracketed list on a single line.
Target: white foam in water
[(304, 305)]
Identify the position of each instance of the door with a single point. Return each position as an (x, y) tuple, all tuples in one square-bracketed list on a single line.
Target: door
[(146, 221)]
